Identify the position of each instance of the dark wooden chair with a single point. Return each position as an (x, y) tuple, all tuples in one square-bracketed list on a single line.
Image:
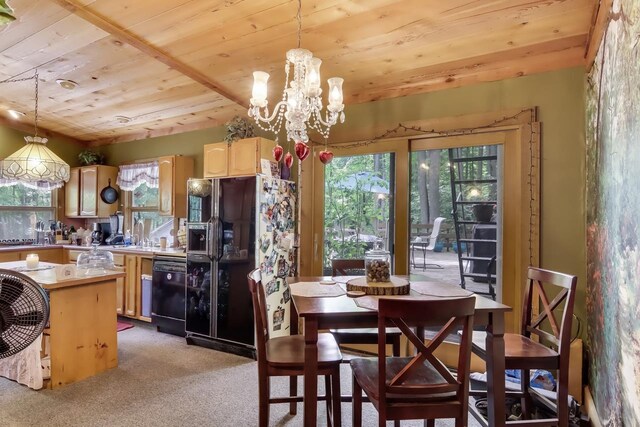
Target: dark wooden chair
[(351, 267), (421, 387), (524, 353), (284, 356)]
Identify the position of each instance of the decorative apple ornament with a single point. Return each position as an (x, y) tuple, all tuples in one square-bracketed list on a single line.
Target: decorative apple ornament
[(325, 157), (302, 150), (288, 160), (278, 151)]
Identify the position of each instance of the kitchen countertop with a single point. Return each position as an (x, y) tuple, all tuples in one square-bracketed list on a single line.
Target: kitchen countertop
[(133, 250), (119, 249), (47, 278)]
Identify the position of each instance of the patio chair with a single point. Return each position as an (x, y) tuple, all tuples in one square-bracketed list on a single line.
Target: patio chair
[(428, 245)]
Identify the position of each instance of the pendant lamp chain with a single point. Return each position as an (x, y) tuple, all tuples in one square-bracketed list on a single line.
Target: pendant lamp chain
[(299, 18), (36, 112)]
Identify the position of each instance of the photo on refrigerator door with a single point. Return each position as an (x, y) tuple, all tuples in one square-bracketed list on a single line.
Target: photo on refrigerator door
[(276, 228)]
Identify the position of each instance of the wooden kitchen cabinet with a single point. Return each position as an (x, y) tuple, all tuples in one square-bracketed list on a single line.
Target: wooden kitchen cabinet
[(240, 158), (174, 172), (71, 191), (216, 160), (131, 286), (82, 192)]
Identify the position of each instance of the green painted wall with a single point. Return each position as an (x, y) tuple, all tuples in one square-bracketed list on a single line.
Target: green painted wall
[(11, 140), (560, 98), (186, 144)]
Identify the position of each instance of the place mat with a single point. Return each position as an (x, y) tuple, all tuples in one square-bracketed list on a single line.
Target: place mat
[(28, 270), (344, 279), (437, 289), (316, 290), (370, 302)]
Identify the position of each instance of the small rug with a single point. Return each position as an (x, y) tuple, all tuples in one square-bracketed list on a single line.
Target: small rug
[(122, 326)]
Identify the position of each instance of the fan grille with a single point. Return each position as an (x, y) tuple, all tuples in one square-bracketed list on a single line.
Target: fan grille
[(24, 312)]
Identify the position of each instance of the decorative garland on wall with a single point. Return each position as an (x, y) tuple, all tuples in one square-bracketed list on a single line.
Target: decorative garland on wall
[(400, 129)]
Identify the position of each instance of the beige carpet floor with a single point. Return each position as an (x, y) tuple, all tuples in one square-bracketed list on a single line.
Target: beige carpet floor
[(161, 381)]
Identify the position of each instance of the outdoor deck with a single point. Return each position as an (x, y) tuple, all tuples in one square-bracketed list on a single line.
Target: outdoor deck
[(450, 272)]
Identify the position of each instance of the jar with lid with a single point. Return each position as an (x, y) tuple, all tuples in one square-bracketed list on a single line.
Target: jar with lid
[(94, 262), (377, 265)]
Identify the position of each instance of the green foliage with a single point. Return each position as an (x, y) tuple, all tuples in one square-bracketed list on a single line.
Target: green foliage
[(355, 217), (238, 128), (20, 223), (89, 157), (144, 196)]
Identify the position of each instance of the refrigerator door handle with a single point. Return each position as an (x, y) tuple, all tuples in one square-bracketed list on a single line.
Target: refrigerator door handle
[(209, 235), (220, 236)]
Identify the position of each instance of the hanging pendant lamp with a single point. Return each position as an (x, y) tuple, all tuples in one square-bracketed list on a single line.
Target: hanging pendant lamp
[(35, 165), (6, 13)]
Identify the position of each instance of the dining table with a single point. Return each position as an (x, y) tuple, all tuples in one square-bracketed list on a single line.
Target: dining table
[(320, 308)]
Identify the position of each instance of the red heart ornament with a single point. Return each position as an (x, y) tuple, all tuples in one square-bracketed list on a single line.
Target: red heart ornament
[(302, 150), (278, 151), (288, 160), (325, 157)]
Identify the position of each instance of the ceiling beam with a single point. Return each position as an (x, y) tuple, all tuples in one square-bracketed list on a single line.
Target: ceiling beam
[(600, 23), (75, 7)]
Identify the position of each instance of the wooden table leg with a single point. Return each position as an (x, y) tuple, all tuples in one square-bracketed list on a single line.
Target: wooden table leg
[(293, 381), (495, 369), (310, 371)]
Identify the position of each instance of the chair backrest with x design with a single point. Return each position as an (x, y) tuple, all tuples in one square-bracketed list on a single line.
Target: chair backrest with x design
[(560, 335), (454, 314), (347, 267)]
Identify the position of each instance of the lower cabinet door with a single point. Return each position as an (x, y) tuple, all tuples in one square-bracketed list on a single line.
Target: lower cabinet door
[(131, 294)]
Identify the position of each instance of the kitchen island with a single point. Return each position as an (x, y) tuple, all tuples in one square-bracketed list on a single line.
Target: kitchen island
[(82, 323)]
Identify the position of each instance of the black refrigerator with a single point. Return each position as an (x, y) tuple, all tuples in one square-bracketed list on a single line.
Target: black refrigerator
[(224, 244)]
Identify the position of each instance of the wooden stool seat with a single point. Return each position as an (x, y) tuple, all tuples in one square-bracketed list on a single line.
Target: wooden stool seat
[(519, 351), (366, 369), (289, 351)]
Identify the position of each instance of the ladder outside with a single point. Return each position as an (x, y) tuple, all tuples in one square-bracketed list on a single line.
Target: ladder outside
[(476, 242)]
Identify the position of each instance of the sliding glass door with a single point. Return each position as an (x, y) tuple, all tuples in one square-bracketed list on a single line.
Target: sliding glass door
[(358, 206)]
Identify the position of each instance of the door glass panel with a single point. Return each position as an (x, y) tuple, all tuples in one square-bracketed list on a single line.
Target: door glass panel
[(455, 216), (358, 206)]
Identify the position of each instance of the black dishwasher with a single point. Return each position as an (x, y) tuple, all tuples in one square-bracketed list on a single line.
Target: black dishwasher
[(168, 289)]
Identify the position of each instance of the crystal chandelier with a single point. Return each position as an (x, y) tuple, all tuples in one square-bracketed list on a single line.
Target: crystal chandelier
[(301, 104), (34, 165)]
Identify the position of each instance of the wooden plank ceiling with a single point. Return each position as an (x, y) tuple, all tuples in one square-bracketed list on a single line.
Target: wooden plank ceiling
[(179, 65)]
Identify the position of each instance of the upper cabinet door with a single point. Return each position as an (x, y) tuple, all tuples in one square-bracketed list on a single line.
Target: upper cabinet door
[(71, 194), (166, 190), (216, 160), (243, 156), (89, 191)]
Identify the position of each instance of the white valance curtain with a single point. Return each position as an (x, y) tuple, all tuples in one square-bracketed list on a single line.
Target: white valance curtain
[(131, 176), (40, 185)]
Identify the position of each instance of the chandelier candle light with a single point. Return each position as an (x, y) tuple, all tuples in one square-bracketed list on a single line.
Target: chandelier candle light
[(301, 105), (34, 165)]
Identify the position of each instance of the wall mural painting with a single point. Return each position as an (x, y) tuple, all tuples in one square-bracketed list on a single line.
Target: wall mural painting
[(613, 219)]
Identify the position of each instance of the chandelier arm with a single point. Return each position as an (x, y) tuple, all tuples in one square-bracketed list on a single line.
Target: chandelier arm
[(259, 117)]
